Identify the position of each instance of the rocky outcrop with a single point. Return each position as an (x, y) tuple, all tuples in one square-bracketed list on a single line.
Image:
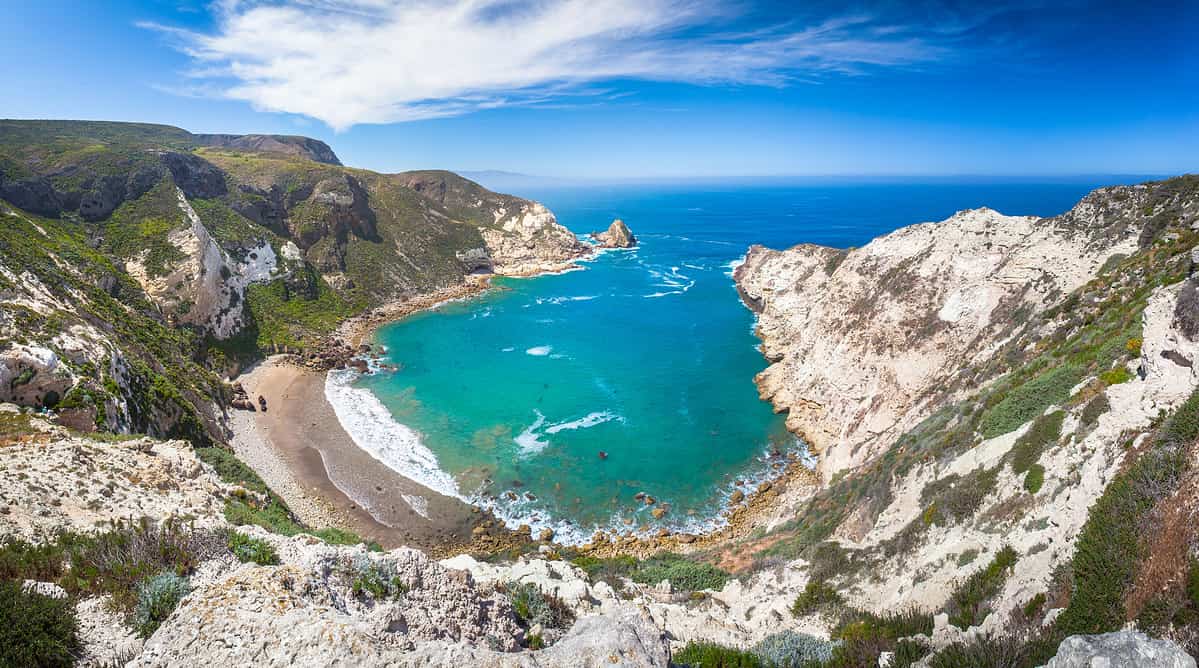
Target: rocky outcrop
[(206, 288), (862, 342), (530, 241), (56, 482), (618, 235), (1122, 648), (291, 145)]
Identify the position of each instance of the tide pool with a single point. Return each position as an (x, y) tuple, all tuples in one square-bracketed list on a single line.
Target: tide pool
[(559, 398)]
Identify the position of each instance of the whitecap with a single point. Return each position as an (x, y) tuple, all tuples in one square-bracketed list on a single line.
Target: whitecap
[(539, 351), (373, 429), (507, 350), (529, 440), (732, 265), (585, 422)]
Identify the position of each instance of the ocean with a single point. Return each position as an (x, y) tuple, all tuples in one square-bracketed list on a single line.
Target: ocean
[(556, 400)]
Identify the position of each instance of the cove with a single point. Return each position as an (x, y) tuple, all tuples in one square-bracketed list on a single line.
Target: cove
[(645, 355)]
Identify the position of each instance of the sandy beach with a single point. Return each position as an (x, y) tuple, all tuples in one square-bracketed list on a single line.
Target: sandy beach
[(303, 453)]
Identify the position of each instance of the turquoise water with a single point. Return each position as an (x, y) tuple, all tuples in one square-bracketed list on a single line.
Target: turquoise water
[(646, 355)]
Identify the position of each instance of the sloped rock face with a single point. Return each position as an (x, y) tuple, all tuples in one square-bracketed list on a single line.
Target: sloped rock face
[(62, 483), (308, 612), (530, 241), (618, 235), (863, 341), (1122, 648)]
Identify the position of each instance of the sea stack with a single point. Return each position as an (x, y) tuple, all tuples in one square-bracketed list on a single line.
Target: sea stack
[(618, 236)]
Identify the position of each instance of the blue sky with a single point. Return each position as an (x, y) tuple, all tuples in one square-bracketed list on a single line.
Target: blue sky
[(638, 88)]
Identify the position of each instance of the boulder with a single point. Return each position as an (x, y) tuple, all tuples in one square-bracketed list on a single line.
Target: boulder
[(1122, 648)]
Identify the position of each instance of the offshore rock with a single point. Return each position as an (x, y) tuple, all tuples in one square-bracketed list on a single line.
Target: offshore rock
[(618, 235)]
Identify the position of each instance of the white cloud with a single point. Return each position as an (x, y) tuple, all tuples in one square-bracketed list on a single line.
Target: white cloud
[(346, 62)]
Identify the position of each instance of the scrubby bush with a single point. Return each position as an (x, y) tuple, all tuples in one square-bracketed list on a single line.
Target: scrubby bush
[(534, 608), (1186, 309), (968, 604), (157, 598), (21, 560), (1043, 432), (248, 549), (1115, 376), (1193, 583), (683, 573), (982, 652), (955, 498), (711, 655), (36, 630), (1034, 479), (816, 594), (791, 649), (1034, 605), (1028, 400), (379, 579), (119, 561)]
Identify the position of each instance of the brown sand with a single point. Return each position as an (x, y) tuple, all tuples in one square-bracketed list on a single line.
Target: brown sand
[(331, 473)]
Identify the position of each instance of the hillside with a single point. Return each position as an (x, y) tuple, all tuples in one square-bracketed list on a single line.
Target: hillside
[(141, 263), (1005, 411)]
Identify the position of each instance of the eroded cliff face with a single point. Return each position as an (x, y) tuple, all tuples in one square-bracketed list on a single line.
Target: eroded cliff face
[(864, 343)]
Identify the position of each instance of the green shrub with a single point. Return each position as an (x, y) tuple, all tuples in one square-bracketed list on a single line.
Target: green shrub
[(865, 636), (982, 652), (1109, 548), (966, 558), (1034, 605), (335, 536), (791, 649), (21, 560), (684, 574), (1028, 400), (36, 630), (1043, 432), (1193, 583), (816, 594), (120, 561), (711, 655), (1034, 479), (968, 604), (248, 549), (954, 498), (157, 598), (1115, 376), (379, 579), (535, 608)]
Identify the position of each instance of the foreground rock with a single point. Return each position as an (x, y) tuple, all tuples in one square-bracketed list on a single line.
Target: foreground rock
[(313, 611), (1123, 648), (618, 235)]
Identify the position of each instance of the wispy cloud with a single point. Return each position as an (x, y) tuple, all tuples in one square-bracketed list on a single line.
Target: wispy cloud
[(347, 62)]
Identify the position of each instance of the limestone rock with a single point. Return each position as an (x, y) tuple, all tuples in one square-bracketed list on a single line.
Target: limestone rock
[(862, 341), (618, 235), (1122, 648)]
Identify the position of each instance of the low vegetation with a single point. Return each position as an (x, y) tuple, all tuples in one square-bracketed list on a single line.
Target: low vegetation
[(36, 630), (157, 598), (534, 608), (968, 606), (684, 574), (248, 549)]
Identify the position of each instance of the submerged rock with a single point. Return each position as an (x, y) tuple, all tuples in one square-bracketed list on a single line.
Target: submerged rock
[(618, 235)]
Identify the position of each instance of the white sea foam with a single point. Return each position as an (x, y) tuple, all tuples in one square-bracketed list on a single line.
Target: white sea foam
[(418, 503), (585, 422), (507, 349), (732, 266), (563, 299), (539, 351), (372, 428), (529, 440)]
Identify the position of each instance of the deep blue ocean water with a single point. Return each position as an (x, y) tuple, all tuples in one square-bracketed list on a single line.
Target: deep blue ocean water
[(646, 356)]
